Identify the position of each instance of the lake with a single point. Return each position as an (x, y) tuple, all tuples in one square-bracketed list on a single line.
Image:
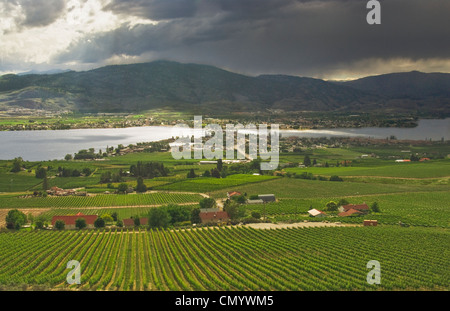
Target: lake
[(49, 145)]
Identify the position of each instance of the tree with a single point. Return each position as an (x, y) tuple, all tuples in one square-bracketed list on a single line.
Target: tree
[(414, 158), (122, 188), (17, 165), (15, 219), (158, 218), (41, 172), (207, 174), (68, 157), (195, 216), (256, 215), (219, 165), (45, 185), (40, 222), (224, 173), (314, 162), (115, 216), (375, 208), (207, 203), (232, 209), (239, 199), (99, 223), (191, 174), (105, 177), (342, 202), (87, 171), (215, 173), (336, 178), (80, 223), (60, 225), (307, 161), (119, 223), (178, 213), (108, 218), (141, 187), (136, 220), (332, 206)]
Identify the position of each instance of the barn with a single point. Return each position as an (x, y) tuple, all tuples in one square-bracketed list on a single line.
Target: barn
[(69, 221), (267, 197), (219, 216)]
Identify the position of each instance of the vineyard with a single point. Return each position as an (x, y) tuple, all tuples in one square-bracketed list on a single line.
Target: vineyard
[(417, 209), (238, 258), (121, 212), (100, 200)]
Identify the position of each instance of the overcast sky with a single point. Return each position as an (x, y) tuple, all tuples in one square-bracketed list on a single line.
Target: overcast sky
[(327, 39)]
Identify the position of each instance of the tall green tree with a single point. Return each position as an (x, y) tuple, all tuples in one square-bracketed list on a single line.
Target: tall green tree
[(99, 223), (158, 217), (375, 207), (195, 216), (307, 161), (332, 206), (141, 187), (15, 219), (17, 165), (207, 203), (122, 188), (191, 174), (80, 223), (45, 185), (60, 225)]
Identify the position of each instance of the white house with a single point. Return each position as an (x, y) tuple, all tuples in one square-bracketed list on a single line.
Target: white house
[(316, 213)]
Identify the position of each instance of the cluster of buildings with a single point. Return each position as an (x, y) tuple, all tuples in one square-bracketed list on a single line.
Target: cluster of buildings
[(346, 211), (56, 191)]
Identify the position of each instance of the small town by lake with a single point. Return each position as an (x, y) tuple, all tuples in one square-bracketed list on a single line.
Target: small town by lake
[(55, 144)]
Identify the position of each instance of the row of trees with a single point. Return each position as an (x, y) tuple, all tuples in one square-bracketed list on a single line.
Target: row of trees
[(149, 170)]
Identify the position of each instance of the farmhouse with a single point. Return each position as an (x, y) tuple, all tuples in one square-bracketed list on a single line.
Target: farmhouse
[(267, 197), (69, 221), (316, 213), (362, 208), (129, 222), (232, 194), (207, 217), (370, 223), (60, 192), (350, 212)]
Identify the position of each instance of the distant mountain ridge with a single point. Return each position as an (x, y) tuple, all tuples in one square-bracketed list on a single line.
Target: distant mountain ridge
[(207, 89)]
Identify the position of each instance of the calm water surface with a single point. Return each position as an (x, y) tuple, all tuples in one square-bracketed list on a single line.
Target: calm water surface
[(49, 145)]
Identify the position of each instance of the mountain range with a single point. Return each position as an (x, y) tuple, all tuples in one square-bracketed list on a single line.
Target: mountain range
[(206, 89)]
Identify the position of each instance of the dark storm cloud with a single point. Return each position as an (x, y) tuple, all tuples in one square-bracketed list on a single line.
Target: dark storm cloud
[(154, 9), (36, 13), (285, 36)]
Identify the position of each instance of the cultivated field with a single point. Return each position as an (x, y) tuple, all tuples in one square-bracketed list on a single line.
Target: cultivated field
[(238, 258)]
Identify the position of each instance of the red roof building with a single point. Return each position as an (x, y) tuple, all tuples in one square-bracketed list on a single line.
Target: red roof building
[(232, 194), (350, 212), (129, 222), (69, 221), (359, 207), (213, 216)]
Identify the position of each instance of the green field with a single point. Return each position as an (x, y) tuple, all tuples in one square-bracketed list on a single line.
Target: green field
[(229, 259), (210, 184), (399, 170), (99, 200), (428, 209)]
